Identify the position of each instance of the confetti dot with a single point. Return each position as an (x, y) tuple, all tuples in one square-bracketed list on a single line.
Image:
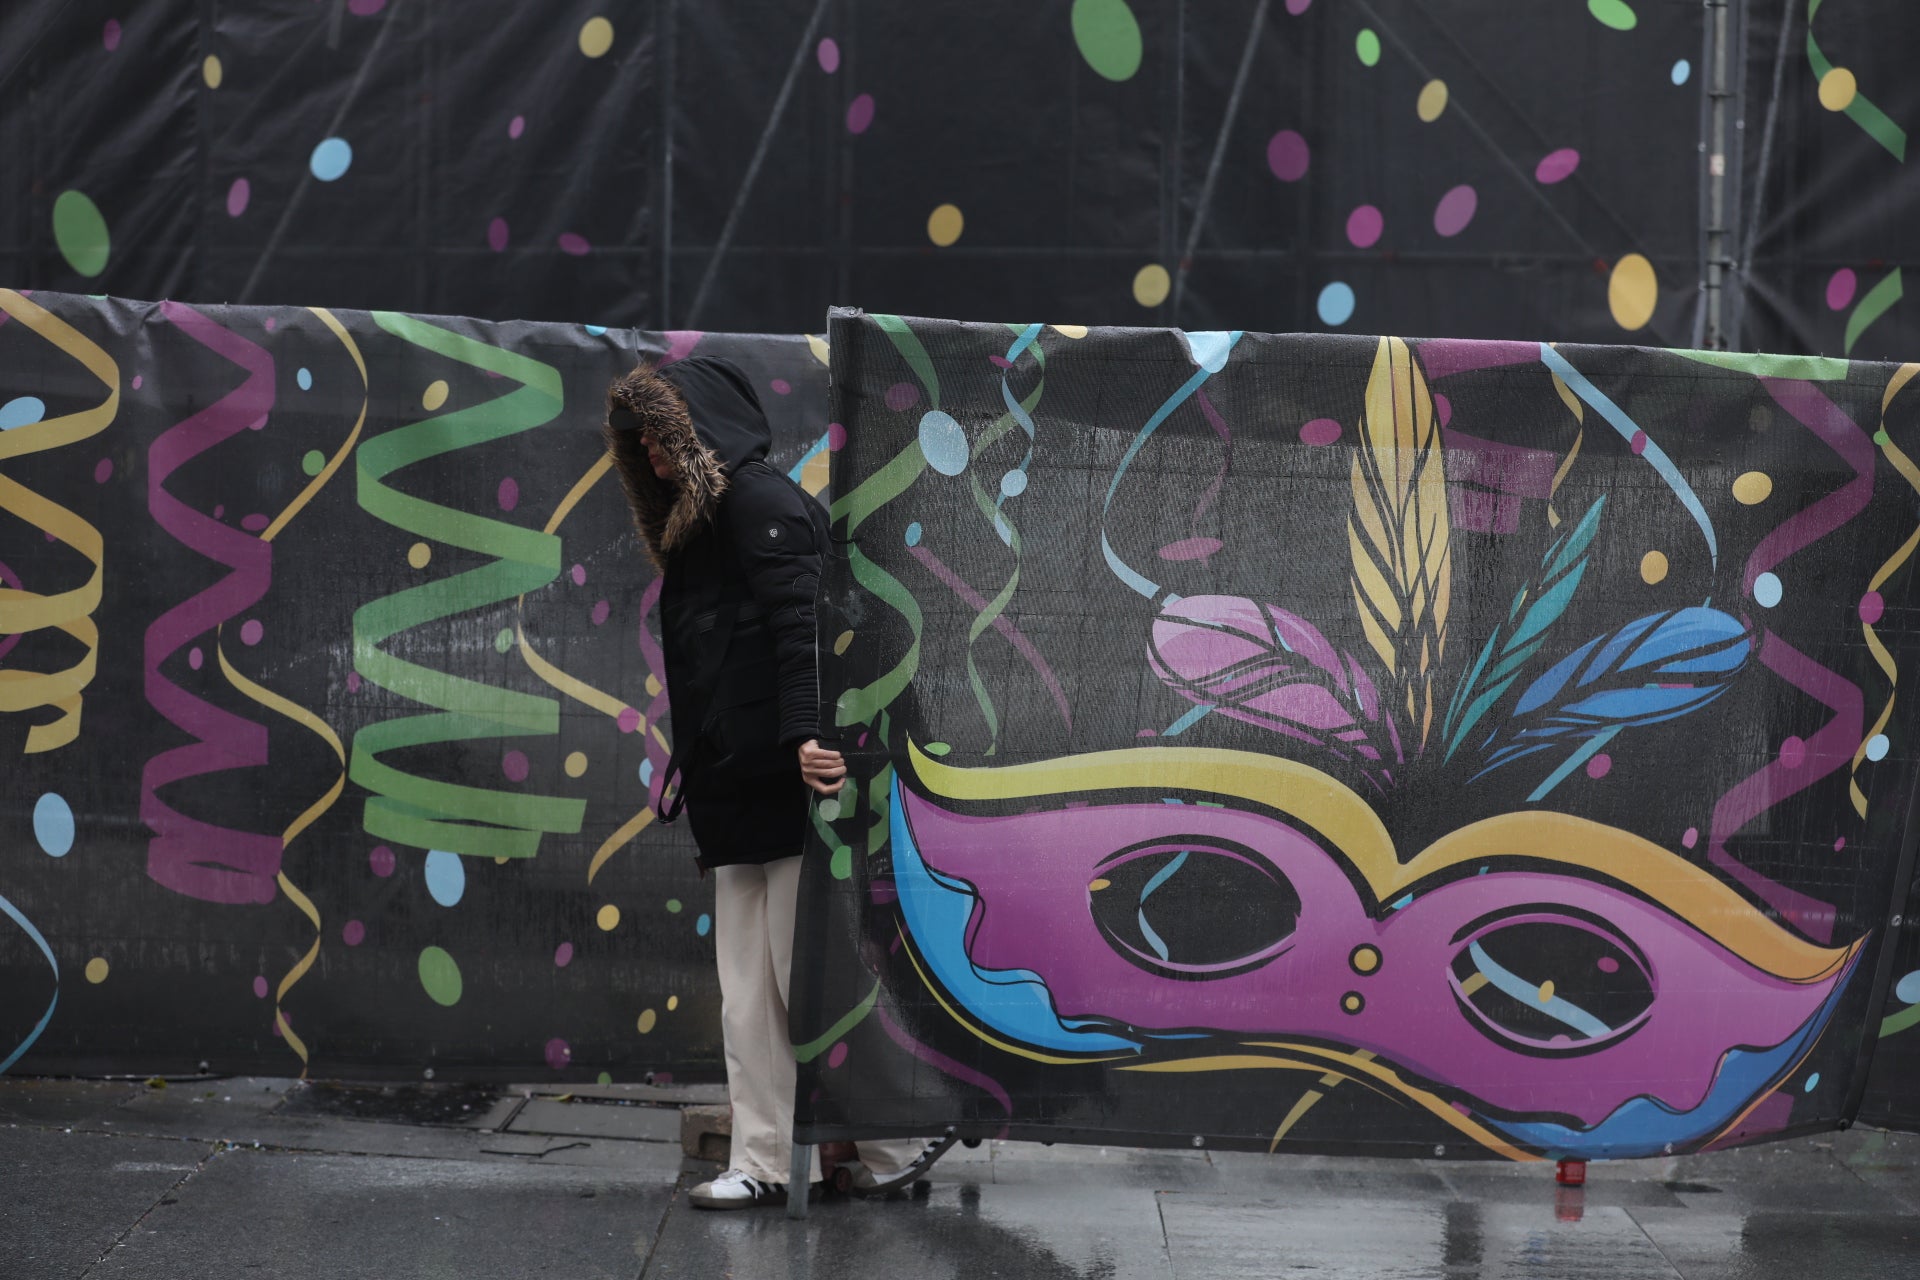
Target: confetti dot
[(781, 387), (628, 719), (648, 1018), (1752, 487), (514, 765), (1151, 284), (902, 396), (1320, 431), (446, 877), (1793, 753), (1837, 89), (837, 1055), (579, 575), (1813, 1082), (1455, 210), (103, 470), (110, 34), (80, 233), (1108, 36), (1556, 166), (353, 682), (260, 988), (1878, 746), (1872, 607), (1432, 101), (1014, 483), (563, 955), (1613, 13), (22, 411), (1632, 290), (860, 114), (830, 809), (836, 437), (212, 72), (96, 970), (498, 235), (1335, 303), (576, 764), (365, 8), (1767, 591), (1074, 331), (418, 554), (1600, 766), (601, 609), (558, 1054), (516, 126), (251, 631), (237, 196), (1840, 288), (1908, 988), (943, 443), (503, 641), (1367, 45), (435, 395), (608, 918), (1287, 156), (303, 378), (1364, 226), (703, 925), (945, 224), (913, 534), (195, 658), (508, 495), (1653, 567), (1691, 838), (353, 933), (1298, 7), (828, 54), (53, 824), (381, 860), (673, 1002), (596, 37), (331, 159), (1681, 70), (574, 244)]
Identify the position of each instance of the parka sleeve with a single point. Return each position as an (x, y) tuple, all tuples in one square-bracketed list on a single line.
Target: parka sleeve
[(775, 542)]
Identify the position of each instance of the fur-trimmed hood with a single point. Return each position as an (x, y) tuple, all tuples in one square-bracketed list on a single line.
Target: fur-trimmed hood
[(704, 415)]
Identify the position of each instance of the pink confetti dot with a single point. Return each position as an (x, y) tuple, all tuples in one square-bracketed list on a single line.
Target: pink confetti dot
[(1298, 7), (380, 859), (365, 8), (1455, 210), (1691, 838), (1443, 407), (1001, 362), (781, 386), (514, 765), (1839, 844), (1287, 156), (1873, 606), (579, 575), (353, 682), (860, 114), (1638, 444), (574, 244), (110, 34), (1840, 288), (195, 657), (836, 437), (1607, 964), (353, 933), (260, 988), (219, 510), (517, 126), (828, 52), (254, 523), (1320, 431), (237, 196), (600, 610), (563, 954), (251, 631), (1793, 753), (1600, 766), (497, 234), (1364, 226), (270, 322), (558, 1054), (509, 495), (902, 396), (102, 470), (628, 720), (837, 1054), (137, 380), (1556, 166)]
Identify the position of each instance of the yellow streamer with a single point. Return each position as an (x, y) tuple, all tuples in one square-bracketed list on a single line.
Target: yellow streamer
[(1566, 464), (22, 610), (1911, 474)]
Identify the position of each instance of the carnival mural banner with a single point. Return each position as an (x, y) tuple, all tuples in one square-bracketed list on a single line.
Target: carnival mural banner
[(1361, 744), (398, 820)]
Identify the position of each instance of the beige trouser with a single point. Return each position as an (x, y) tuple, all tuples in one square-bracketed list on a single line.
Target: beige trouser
[(753, 930)]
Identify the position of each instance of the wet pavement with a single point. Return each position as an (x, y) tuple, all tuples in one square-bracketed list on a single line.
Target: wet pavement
[(268, 1178)]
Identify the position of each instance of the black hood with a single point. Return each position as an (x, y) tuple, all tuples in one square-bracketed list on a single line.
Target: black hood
[(726, 413)]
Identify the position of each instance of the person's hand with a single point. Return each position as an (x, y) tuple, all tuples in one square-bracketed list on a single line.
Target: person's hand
[(822, 769)]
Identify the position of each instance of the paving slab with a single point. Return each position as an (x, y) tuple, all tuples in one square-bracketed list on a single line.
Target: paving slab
[(66, 1197), (62, 1102), (598, 1120), (304, 1217), (673, 1095), (1773, 1245)]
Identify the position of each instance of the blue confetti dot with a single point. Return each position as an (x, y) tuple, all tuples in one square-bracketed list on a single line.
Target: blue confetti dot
[(53, 824), (704, 925), (1014, 483), (596, 329), (1813, 1082), (1877, 747), (943, 442), (913, 534), (1336, 303), (305, 379), (330, 159), (646, 773), (1766, 591), (1681, 70), (20, 412), (1908, 988), (446, 877)]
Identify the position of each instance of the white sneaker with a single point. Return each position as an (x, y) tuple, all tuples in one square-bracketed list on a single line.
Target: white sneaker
[(737, 1190), (864, 1182)]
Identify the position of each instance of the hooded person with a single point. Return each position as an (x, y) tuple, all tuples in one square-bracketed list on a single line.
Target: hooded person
[(738, 546)]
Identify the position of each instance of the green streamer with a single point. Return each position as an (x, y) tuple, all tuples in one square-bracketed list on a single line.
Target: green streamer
[(1878, 301), (1809, 368), (1872, 119), (855, 1016)]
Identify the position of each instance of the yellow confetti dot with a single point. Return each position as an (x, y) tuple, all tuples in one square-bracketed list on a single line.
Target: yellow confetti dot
[(647, 1018), (945, 224), (435, 395), (821, 351), (1653, 567), (1432, 100), (609, 918), (673, 1002), (841, 642), (1098, 885), (1546, 991), (96, 970), (1365, 959), (1752, 487), (596, 37), (1151, 285), (1071, 330), (653, 686), (1352, 1002), (418, 554), (501, 862), (576, 764), (1632, 290), (1837, 89), (212, 72)]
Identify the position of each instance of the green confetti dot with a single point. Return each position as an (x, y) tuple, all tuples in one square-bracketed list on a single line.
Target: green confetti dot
[(313, 461), (1881, 437), (842, 864), (440, 976), (605, 1077), (937, 748), (504, 641), (1613, 13), (1109, 37), (1367, 45), (673, 905), (81, 233)]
